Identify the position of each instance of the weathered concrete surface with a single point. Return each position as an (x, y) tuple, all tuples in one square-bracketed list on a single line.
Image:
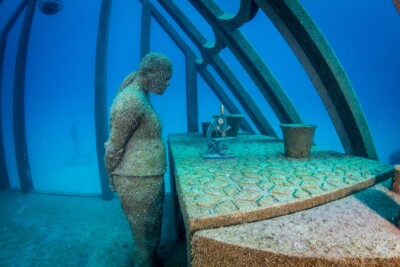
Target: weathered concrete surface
[(357, 230), (262, 183), (396, 179)]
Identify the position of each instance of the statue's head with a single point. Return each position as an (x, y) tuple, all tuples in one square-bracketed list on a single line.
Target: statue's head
[(154, 73)]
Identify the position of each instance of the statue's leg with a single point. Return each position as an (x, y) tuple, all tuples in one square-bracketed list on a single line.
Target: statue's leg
[(142, 201)]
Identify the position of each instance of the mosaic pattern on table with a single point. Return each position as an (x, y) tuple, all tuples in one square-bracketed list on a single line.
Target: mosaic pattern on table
[(261, 177)]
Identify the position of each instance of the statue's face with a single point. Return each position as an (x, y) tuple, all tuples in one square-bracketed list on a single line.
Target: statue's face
[(155, 71), (158, 83)]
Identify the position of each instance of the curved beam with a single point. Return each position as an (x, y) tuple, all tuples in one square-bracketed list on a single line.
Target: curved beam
[(247, 11), (325, 71), (21, 149), (4, 178), (212, 48)]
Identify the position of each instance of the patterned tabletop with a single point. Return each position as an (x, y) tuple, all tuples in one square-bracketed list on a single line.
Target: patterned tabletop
[(261, 183)]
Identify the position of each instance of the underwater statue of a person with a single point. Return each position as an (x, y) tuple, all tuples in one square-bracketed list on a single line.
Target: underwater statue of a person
[(136, 156)]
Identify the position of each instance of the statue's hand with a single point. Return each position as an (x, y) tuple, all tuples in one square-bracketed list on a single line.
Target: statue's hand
[(112, 184), (112, 160)]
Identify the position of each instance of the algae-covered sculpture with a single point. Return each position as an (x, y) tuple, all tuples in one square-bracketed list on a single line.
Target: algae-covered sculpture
[(135, 154)]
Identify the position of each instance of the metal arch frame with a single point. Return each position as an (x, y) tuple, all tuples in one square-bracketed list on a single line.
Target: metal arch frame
[(311, 48), (21, 149), (4, 177), (210, 56), (295, 25), (254, 65), (199, 67), (326, 73), (100, 96), (247, 10), (190, 58)]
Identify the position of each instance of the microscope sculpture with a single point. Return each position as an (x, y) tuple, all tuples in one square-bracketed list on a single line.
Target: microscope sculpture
[(220, 126)]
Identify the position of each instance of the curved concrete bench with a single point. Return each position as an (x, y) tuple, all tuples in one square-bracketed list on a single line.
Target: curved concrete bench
[(358, 230)]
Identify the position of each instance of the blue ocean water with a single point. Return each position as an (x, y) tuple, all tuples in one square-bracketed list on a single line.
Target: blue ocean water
[(365, 35)]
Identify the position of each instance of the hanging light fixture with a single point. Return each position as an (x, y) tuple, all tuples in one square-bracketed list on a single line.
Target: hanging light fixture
[(50, 7)]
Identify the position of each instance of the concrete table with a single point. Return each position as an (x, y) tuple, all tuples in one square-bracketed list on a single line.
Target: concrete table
[(262, 183)]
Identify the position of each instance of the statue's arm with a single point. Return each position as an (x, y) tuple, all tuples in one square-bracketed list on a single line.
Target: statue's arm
[(125, 118)]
